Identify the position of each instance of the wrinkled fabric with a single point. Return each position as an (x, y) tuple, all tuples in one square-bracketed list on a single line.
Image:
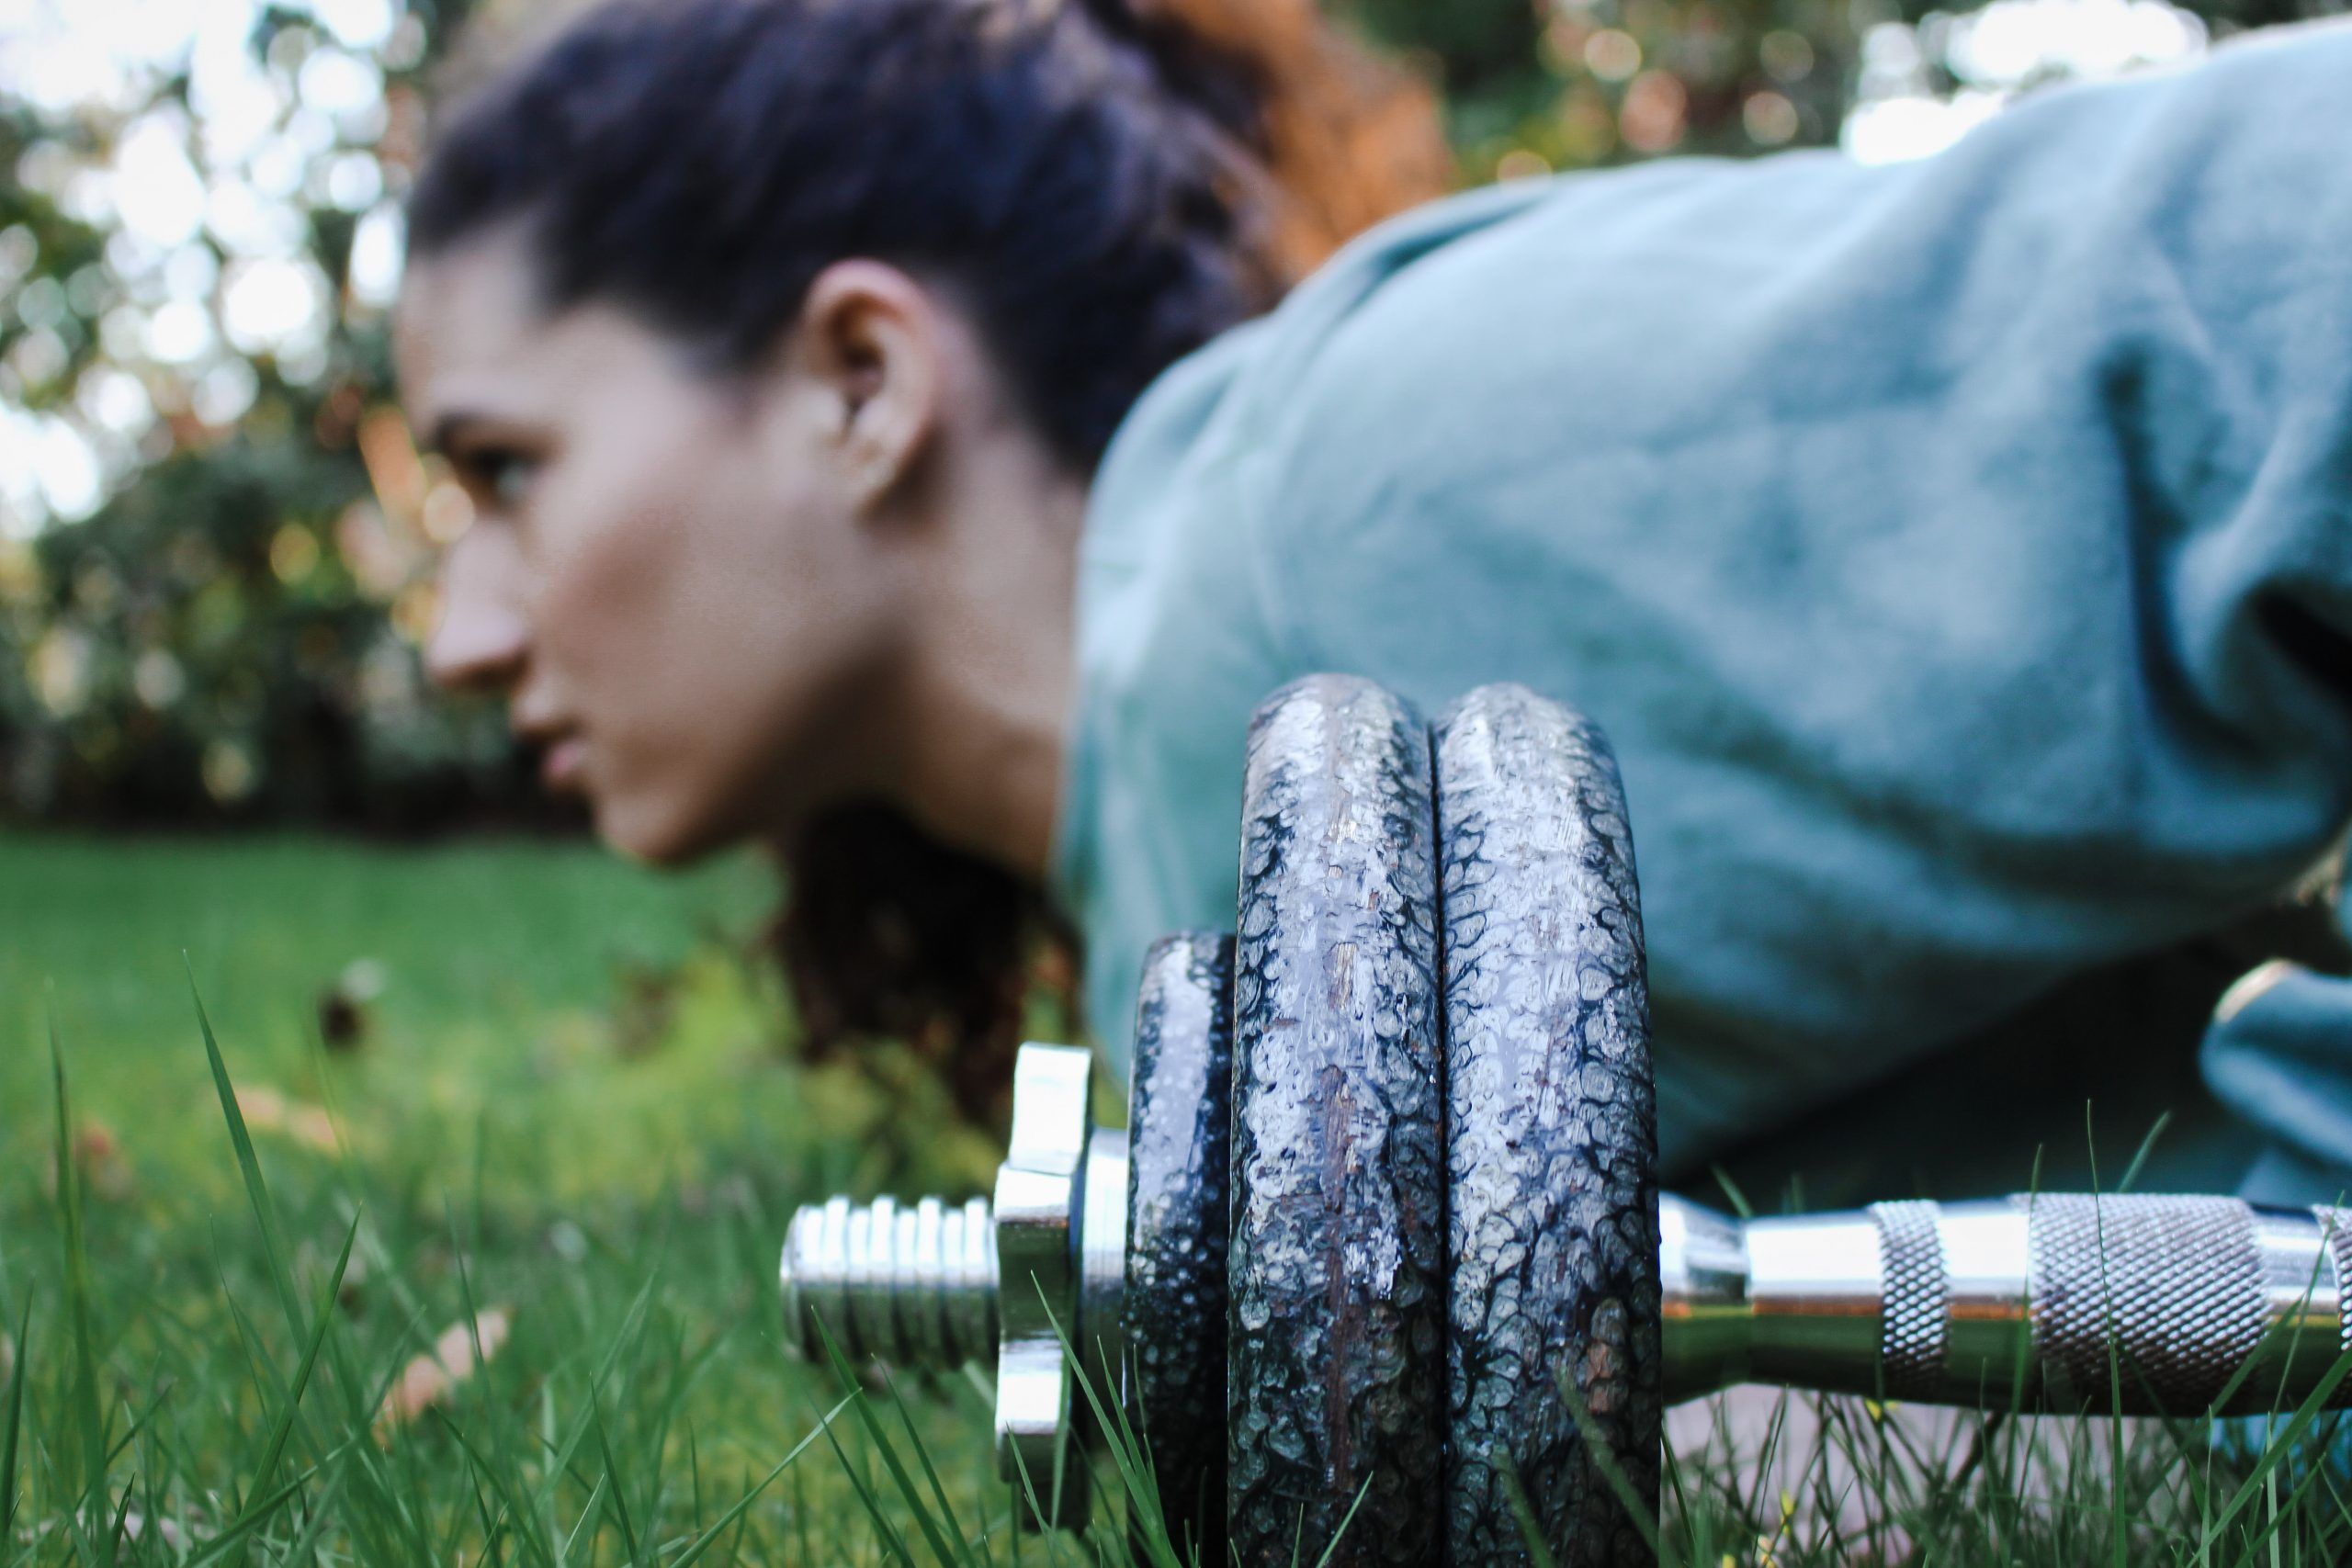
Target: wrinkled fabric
[(1957, 553), (2280, 1055)]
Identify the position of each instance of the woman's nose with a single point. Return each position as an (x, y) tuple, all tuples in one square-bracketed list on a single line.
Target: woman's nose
[(482, 638)]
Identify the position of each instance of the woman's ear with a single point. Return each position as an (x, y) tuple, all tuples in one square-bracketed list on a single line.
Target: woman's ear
[(871, 337)]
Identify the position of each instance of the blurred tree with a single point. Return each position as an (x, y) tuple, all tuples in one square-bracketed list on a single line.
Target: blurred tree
[(214, 530), (1533, 87)]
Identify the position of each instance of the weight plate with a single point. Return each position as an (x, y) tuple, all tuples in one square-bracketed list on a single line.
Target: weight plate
[(1335, 1363), (1179, 1170), (1551, 1128)]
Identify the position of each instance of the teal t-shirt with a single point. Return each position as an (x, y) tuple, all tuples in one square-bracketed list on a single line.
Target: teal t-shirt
[(1958, 554)]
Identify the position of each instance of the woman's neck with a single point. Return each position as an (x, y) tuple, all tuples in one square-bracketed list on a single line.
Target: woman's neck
[(991, 678)]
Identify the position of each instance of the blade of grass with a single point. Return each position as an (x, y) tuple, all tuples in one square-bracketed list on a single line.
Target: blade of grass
[(2116, 1534), (701, 1543), (85, 1550), (1127, 1456), (2269, 1533), (256, 1514), (931, 1534), (873, 1506), (1531, 1531), (87, 1413), (923, 1456), (1732, 1195), (2147, 1146), (284, 1427), (2313, 1404), (613, 1501), (273, 1242), (1049, 1506), (587, 1517), (122, 1511), (9, 1445), (1345, 1520), (482, 1467), (323, 1512), (560, 1456), (1596, 1446)]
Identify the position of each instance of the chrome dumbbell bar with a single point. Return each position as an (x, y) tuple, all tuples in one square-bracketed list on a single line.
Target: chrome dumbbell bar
[(2021, 1299), (2026, 1299)]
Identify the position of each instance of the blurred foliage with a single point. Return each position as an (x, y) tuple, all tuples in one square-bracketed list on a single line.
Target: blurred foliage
[(232, 632), (215, 535), (208, 643), (1535, 88)]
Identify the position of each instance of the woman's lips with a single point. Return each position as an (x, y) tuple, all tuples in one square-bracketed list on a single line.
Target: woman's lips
[(560, 768)]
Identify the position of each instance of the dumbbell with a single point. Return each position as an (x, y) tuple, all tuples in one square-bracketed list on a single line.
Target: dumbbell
[(1381, 1244)]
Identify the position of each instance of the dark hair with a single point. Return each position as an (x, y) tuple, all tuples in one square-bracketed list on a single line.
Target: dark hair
[(1107, 186)]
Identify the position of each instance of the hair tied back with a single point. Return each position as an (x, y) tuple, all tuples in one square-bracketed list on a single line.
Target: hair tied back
[(1339, 138)]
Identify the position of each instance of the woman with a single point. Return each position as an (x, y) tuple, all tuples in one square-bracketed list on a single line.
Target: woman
[(1957, 552)]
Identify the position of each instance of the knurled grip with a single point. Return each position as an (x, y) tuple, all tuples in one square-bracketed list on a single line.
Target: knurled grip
[(2167, 1290), (1913, 1321)]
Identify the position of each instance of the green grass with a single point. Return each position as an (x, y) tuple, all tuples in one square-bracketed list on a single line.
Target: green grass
[(572, 1101), (582, 1028)]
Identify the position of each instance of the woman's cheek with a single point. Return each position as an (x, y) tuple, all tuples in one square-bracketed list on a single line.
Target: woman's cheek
[(684, 710), (606, 621)]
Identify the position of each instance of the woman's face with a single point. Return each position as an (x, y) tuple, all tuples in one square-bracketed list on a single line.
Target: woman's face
[(668, 573)]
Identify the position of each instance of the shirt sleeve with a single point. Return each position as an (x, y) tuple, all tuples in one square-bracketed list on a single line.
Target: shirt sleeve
[(2280, 1055)]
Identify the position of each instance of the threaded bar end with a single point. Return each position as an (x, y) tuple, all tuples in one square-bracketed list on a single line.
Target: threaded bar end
[(913, 1287)]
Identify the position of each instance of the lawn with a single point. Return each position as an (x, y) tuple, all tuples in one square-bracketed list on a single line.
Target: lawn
[(522, 1079), (526, 1087), (582, 1030)]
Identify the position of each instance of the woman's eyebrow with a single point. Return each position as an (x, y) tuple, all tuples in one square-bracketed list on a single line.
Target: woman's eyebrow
[(447, 430), (443, 431), (460, 427)]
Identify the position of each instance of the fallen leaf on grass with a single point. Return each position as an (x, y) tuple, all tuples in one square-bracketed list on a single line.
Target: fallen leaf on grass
[(98, 1164), (427, 1381), (134, 1525), (266, 1111)]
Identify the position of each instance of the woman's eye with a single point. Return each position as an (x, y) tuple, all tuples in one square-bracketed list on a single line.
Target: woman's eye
[(503, 478)]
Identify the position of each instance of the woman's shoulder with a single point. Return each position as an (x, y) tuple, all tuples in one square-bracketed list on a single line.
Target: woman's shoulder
[(1373, 338)]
